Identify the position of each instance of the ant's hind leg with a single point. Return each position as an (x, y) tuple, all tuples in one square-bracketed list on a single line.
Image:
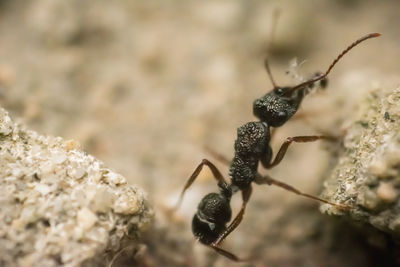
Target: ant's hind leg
[(216, 173), (270, 181), (246, 193), (297, 139), (227, 254)]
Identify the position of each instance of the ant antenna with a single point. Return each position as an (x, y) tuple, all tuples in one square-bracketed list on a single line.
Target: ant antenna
[(271, 78), (275, 18), (313, 80)]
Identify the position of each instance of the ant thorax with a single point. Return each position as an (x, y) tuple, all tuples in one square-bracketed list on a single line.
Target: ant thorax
[(252, 138), (251, 145)]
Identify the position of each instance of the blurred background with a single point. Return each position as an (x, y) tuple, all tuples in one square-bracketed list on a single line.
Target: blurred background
[(145, 85)]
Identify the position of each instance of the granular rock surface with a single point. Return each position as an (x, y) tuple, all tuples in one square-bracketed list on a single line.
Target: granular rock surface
[(367, 174), (61, 206)]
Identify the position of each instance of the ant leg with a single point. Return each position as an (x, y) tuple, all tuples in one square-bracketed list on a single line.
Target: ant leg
[(227, 254), (218, 156), (246, 193), (297, 139), (275, 17), (270, 181), (216, 173)]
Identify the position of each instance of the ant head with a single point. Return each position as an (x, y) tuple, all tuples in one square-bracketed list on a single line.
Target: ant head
[(279, 105), (275, 108), (252, 138), (214, 212)]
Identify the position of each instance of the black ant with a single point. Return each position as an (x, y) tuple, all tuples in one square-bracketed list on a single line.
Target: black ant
[(252, 146)]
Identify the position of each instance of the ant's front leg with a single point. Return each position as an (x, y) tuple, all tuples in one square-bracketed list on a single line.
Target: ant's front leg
[(246, 193), (216, 173), (266, 161)]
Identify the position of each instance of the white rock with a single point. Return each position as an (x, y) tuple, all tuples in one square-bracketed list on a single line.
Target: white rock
[(86, 218)]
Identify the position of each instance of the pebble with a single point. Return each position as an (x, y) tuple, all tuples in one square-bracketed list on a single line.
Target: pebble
[(386, 192), (86, 218), (56, 189)]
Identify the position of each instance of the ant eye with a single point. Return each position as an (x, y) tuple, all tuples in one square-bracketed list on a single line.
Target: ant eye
[(280, 90), (282, 115)]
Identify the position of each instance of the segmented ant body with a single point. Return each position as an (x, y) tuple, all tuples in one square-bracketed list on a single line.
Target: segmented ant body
[(252, 147)]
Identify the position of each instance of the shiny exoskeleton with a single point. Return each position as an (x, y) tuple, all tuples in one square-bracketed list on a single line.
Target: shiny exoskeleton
[(252, 146)]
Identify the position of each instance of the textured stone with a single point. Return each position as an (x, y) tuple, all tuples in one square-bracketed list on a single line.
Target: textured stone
[(61, 206), (367, 175)]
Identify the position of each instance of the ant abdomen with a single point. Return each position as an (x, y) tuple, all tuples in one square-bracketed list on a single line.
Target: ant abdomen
[(213, 213)]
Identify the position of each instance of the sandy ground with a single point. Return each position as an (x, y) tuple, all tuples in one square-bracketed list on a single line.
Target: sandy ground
[(145, 85)]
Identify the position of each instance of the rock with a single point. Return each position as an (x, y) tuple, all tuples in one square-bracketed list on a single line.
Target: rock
[(60, 206), (367, 175)]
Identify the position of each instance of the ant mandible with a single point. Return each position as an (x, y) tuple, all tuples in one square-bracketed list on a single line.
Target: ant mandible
[(209, 224)]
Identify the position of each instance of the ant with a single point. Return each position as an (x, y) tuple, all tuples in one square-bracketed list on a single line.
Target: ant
[(252, 146)]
